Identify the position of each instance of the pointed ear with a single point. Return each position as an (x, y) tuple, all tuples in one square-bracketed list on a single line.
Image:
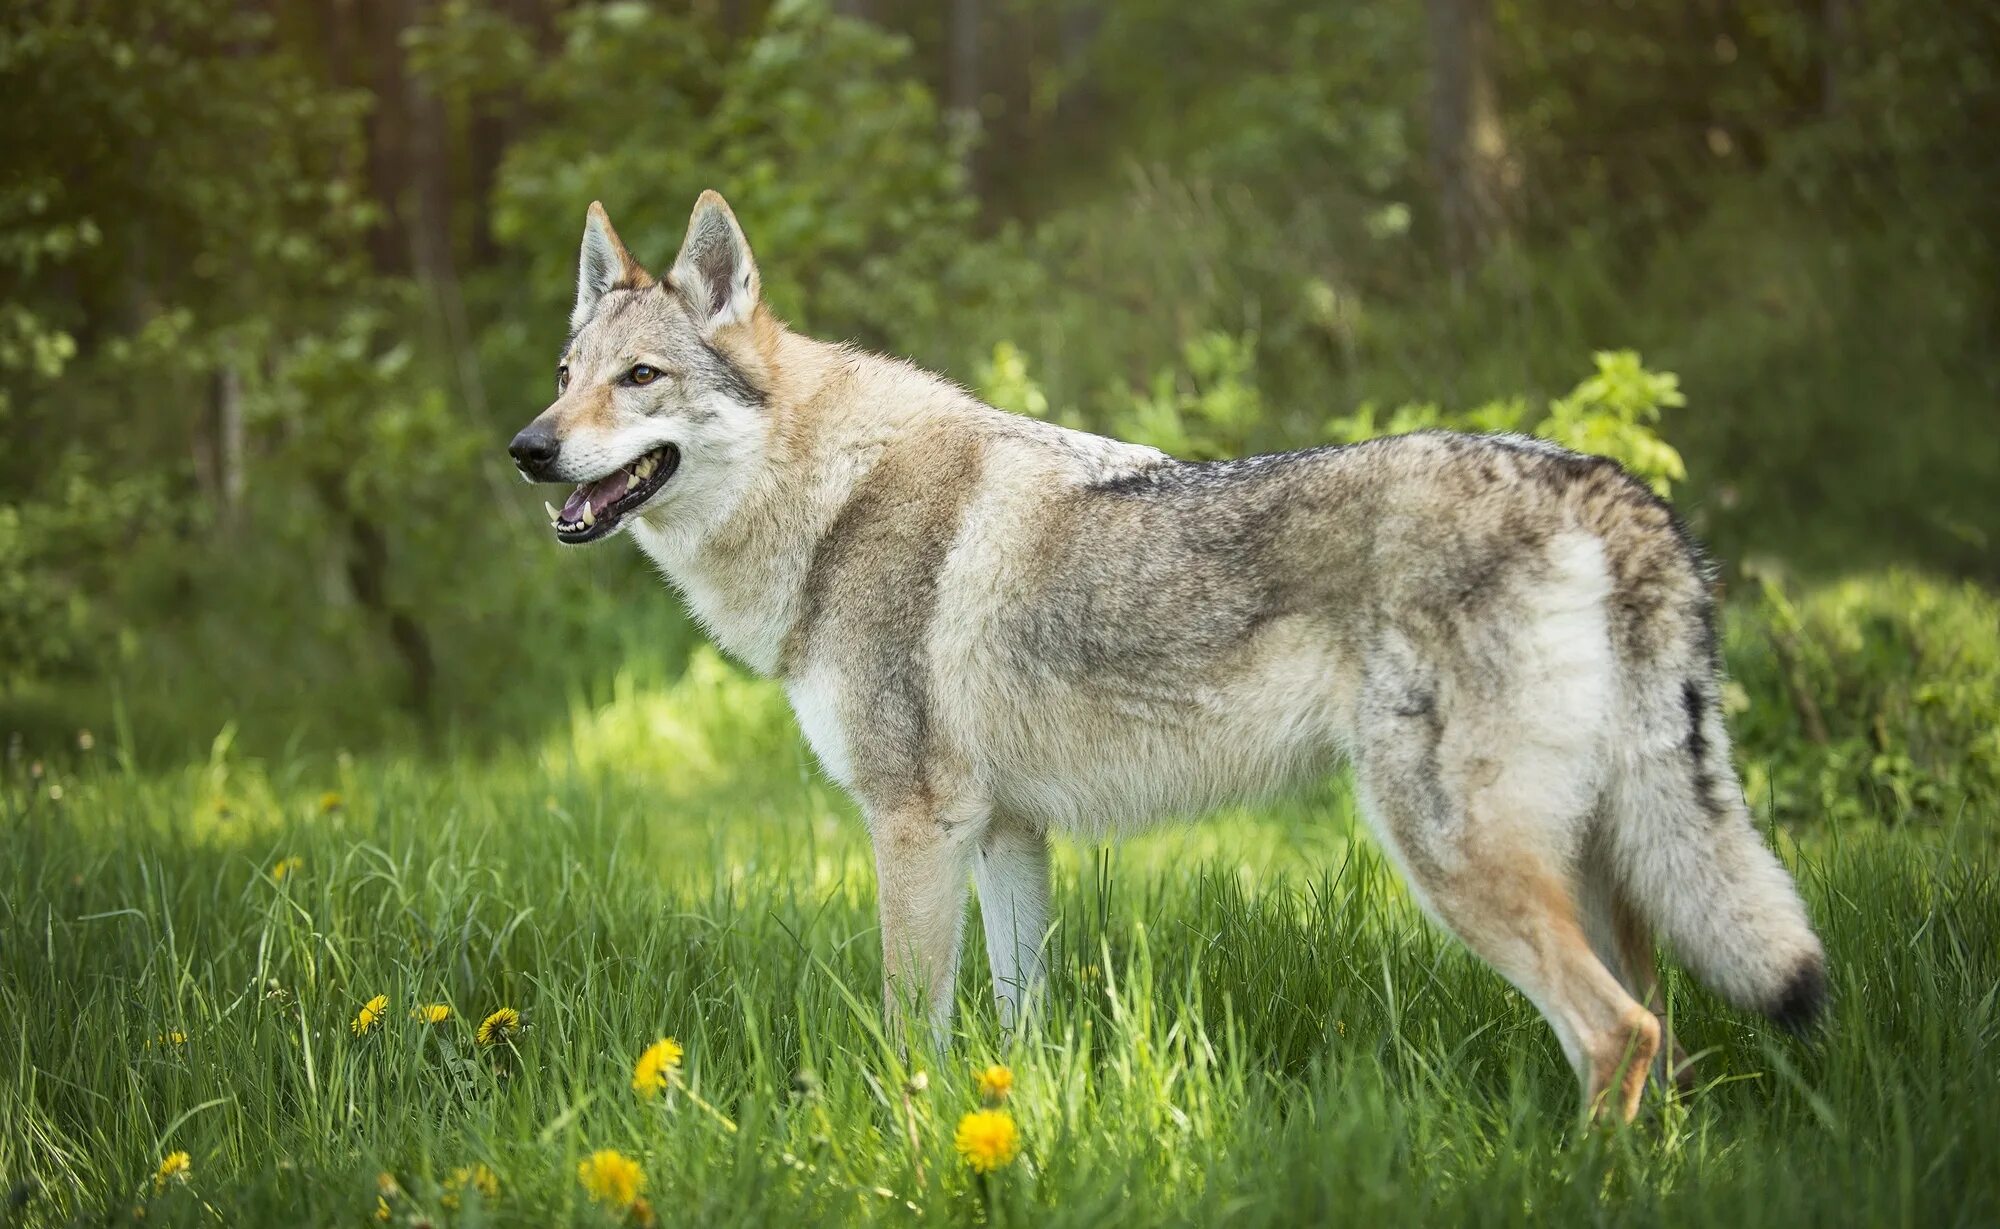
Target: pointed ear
[(604, 263), (714, 272)]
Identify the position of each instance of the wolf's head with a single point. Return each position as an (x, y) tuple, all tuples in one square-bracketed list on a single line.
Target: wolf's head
[(660, 387)]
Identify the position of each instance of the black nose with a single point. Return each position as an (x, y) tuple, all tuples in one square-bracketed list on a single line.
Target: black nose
[(534, 450)]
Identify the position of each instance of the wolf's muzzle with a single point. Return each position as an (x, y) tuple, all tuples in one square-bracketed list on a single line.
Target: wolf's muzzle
[(534, 451)]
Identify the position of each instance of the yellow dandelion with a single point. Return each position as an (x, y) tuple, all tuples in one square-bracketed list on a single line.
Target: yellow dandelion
[(287, 866), (371, 1012), (995, 1082), (172, 1037), (174, 1167), (611, 1177), (987, 1139), (472, 1177), (329, 802), (657, 1067), (387, 1187), (431, 1013), (499, 1027), (381, 1208)]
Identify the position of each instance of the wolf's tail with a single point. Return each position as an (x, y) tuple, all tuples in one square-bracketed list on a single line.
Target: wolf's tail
[(1696, 869)]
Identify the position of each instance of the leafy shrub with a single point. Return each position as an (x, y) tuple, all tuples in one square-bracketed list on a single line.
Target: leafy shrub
[(1874, 695), (1205, 411), (1612, 413)]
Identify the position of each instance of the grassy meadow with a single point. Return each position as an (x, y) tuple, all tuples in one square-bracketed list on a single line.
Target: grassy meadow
[(1249, 1023)]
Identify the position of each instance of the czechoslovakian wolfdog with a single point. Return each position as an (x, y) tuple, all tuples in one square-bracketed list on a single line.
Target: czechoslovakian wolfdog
[(993, 629)]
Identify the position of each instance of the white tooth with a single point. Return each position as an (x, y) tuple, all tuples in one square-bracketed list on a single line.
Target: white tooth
[(589, 517), (645, 467), (551, 508)]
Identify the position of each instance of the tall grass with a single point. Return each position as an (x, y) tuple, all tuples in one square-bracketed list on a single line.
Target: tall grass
[(1248, 1021)]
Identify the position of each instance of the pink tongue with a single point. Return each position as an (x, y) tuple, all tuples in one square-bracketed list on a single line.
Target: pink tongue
[(599, 495)]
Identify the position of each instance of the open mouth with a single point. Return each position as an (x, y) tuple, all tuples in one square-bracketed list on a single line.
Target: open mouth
[(595, 508)]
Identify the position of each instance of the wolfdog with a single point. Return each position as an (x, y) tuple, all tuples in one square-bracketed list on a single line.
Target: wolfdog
[(992, 629)]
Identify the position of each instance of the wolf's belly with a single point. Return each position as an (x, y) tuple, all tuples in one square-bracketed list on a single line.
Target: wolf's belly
[(1096, 755)]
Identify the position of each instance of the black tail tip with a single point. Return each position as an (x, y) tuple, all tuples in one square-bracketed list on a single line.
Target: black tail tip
[(1800, 1007)]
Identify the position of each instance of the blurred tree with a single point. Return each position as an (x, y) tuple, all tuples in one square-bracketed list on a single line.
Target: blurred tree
[(173, 198), (1476, 175), (838, 163)]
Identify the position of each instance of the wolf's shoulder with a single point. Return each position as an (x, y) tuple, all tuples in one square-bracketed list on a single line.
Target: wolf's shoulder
[(1079, 456)]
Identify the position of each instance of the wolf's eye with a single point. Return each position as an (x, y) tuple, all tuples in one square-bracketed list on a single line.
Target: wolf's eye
[(643, 374), (562, 379)]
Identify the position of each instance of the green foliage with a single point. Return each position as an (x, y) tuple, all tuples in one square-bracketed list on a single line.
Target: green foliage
[(168, 199), (1612, 413), (1003, 380), (835, 159), (252, 465), (1875, 695), (1204, 411)]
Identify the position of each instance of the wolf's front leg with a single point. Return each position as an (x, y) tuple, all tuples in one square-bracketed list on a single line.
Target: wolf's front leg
[(922, 854), (1012, 871)]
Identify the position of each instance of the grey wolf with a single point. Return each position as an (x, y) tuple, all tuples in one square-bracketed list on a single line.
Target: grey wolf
[(993, 629)]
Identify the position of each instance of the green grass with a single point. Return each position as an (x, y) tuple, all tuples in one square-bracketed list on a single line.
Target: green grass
[(1248, 1022)]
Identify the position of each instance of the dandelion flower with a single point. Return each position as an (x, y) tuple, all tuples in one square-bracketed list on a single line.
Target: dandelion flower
[(174, 1167), (329, 802), (499, 1027), (432, 1013), (656, 1068), (371, 1012), (172, 1037), (381, 1208), (611, 1177), (474, 1177), (387, 1186), (987, 1139), (995, 1082), (287, 866)]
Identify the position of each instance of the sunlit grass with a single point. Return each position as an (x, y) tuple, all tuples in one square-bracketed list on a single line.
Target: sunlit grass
[(1247, 1022)]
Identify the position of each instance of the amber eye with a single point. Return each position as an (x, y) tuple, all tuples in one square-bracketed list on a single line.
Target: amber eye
[(643, 374), (562, 379)]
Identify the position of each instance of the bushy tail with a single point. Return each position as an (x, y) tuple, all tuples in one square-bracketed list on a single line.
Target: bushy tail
[(1696, 868)]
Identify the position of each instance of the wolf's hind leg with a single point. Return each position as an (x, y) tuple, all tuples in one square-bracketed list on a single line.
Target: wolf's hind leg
[(1624, 944), (1490, 882), (1011, 870)]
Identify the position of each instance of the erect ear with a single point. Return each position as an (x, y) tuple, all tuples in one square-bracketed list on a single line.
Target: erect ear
[(604, 263), (714, 272)]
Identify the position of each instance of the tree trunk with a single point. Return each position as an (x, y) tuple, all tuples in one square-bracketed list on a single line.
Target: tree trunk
[(217, 443), (1469, 155), (962, 88), (1834, 20), (367, 567)]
